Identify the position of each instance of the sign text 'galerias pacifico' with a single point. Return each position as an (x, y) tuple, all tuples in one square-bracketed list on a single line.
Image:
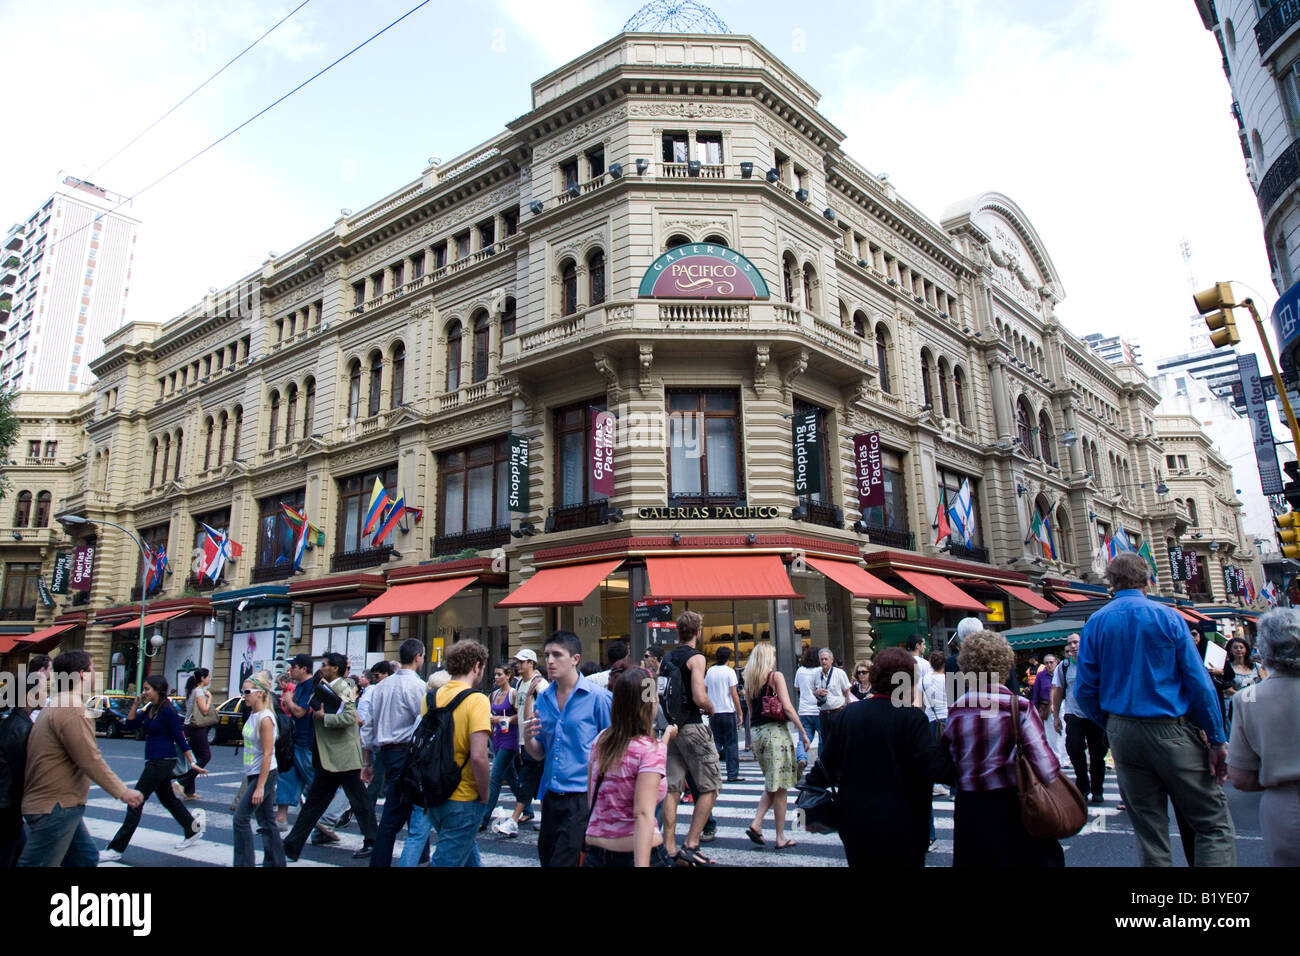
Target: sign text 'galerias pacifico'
[(602, 454), (702, 271), (708, 512), (83, 566)]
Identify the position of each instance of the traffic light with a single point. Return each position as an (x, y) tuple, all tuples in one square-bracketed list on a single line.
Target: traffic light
[(1288, 533), (1223, 328), (1291, 490)]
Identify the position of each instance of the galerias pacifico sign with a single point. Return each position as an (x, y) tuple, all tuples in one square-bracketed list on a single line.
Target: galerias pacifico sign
[(702, 271)]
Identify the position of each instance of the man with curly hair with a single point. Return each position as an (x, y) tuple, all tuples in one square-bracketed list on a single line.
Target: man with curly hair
[(1140, 677)]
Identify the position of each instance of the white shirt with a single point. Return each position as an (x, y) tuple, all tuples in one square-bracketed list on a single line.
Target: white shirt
[(803, 683), (718, 681), (836, 684), (600, 679), (1064, 676), (934, 695), (394, 710)]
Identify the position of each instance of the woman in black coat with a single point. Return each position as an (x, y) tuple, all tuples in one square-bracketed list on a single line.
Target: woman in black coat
[(886, 765)]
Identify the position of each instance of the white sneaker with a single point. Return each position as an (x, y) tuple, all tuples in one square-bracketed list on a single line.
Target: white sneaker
[(190, 841), (499, 812), (939, 790), (507, 827), (109, 856)]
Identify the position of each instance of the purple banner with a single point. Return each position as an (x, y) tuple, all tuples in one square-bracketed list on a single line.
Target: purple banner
[(83, 565), (602, 454), (869, 467)]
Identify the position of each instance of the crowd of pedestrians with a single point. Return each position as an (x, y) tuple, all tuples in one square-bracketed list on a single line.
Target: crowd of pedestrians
[(612, 755)]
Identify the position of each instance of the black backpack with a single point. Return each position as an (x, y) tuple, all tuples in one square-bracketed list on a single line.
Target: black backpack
[(283, 739), (677, 691), (431, 775), (14, 730)]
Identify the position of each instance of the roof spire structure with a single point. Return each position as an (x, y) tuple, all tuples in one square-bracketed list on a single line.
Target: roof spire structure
[(675, 16)]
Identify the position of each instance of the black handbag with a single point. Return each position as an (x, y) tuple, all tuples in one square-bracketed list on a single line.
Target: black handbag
[(818, 801)]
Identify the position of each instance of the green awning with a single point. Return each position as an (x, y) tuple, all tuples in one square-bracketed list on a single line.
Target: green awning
[(1041, 635)]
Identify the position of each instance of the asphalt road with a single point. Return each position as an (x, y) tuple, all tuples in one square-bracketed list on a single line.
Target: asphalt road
[(1107, 840)]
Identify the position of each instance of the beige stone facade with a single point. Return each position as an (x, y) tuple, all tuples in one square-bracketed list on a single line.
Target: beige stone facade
[(501, 288)]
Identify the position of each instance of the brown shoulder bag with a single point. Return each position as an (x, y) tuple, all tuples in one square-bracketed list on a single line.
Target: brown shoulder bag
[(1053, 810)]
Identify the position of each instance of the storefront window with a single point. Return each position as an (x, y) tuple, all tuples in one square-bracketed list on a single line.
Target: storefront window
[(605, 616), (893, 622), (465, 617), (735, 624), (820, 616), (334, 630)]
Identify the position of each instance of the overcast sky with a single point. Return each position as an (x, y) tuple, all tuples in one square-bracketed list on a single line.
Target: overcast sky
[(1107, 122)]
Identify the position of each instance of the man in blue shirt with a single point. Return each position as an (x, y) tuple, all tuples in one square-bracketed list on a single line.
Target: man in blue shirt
[(568, 716), (1140, 677), (294, 784)]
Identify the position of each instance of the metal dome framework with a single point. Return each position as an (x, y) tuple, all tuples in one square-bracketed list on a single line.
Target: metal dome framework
[(668, 16)]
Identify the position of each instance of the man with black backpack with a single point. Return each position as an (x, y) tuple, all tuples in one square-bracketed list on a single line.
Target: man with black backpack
[(692, 751), (447, 770)]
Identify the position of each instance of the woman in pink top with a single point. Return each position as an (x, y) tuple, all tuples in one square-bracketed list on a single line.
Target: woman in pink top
[(625, 778)]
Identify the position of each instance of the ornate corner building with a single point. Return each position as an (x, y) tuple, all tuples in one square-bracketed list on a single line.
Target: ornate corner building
[(623, 359)]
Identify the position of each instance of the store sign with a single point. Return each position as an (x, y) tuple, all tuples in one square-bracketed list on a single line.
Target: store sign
[(807, 453), (997, 611), (517, 488), (869, 466), (1270, 476), (1286, 319), (62, 575), (652, 610), (702, 271), (1177, 569), (602, 454), (707, 512), (83, 565), (888, 612)]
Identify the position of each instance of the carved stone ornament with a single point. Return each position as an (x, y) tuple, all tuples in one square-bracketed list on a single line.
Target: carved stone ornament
[(876, 423), (956, 453), (647, 360), (152, 515), (484, 419), (383, 448), (798, 365), (607, 368), (577, 247), (762, 356), (296, 470), (575, 134), (690, 111)]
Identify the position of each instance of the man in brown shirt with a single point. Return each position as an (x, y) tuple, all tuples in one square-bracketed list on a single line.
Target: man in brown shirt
[(62, 759)]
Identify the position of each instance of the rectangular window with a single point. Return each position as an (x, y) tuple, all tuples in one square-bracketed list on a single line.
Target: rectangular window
[(155, 539), (472, 488), (417, 265), (950, 483), (33, 449), (358, 294), (823, 463), (217, 521), (704, 463), (275, 536), (354, 499), (573, 430), (596, 162), (708, 148), (510, 219), (20, 591), (675, 145), (399, 276), (377, 284), (462, 245), (487, 233), (891, 516), (440, 255), (51, 448)]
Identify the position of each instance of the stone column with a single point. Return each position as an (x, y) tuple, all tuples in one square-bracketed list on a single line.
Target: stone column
[(1001, 408)]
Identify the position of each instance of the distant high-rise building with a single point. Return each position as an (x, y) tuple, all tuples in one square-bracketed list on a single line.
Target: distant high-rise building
[(64, 278), (1217, 368), (1114, 349)]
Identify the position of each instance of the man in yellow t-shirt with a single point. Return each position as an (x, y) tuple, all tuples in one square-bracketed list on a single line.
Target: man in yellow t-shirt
[(457, 821)]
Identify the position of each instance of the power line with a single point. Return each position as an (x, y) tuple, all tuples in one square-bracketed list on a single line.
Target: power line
[(221, 139), (187, 96)]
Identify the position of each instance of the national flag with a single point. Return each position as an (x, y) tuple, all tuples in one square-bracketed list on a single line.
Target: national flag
[(391, 519), (1122, 542), (375, 510), (1250, 590), (1047, 527), (304, 533), (217, 550), (1150, 559), (942, 529), (962, 514), (1039, 532), (154, 569), (415, 514), (1108, 545)]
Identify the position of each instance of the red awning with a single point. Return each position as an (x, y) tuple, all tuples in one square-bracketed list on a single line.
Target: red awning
[(1026, 596), (1068, 597), (568, 585), (156, 618), (1185, 616), (419, 598), (719, 577), (941, 590), (34, 642), (857, 581), (1194, 616)]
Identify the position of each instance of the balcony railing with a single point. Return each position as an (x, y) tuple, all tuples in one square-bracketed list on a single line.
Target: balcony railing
[(1276, 21), (276, 572), (684, 171), (1280, 177), (201, 582), (972, 553), (891, 537), (572, 517), (355, 560), (18, 613), (826, 515), (80, 597), (477, 540)]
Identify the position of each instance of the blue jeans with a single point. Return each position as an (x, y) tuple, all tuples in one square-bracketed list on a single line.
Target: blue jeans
[(297, 781), (457, 823), (417, 838), (397, 809), (59, 838), (265, 813), (724, 736), (503, 769), (811, 726)]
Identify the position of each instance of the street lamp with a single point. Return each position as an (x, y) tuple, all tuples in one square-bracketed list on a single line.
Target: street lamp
[(144, 597)]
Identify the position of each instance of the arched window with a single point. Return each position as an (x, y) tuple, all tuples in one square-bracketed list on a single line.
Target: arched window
[(716, 240), (153, 463), (42, 518), (596, 276), (234, 439), (208, 429), (453, 356), (274, 421), (290, 413), (1064, 536), (167, 456), (882, 357), (399, 376), (354, 390), (221, 444), (787, 277), (568, 287), (1024, 426), (23, 513), (860, 325), (1046, 437), (943, 388), (676, 240), (376, 383), (1193, 518), (180, 441), (959, 393), (809, 279), (308, 407), (927, 391), (482, 337)]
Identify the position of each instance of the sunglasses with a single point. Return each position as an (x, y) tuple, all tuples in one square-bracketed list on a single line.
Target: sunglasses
[(861, 673), (247, 690)]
